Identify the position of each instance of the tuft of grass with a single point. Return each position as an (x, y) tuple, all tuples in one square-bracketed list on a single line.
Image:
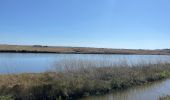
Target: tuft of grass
[(165, 98)]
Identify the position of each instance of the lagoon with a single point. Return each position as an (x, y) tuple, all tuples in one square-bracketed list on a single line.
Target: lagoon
[(39, 62)]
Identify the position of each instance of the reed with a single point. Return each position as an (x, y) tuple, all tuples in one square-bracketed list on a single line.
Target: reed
[(81, 78)]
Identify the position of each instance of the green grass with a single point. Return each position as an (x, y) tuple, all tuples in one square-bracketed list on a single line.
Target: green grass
[(77, 82)]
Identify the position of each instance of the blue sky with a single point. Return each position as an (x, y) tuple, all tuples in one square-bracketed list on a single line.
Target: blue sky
[(134, 24)]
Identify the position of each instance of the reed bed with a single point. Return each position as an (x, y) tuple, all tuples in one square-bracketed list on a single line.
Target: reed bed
[(78, 78)]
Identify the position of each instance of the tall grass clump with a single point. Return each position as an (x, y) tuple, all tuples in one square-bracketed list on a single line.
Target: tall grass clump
[(165, 98), (78, 78)]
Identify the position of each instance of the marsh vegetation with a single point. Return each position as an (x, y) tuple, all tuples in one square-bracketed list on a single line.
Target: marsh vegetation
[(80, 78)]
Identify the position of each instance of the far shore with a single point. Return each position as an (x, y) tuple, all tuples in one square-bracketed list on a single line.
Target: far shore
[(77, 50)]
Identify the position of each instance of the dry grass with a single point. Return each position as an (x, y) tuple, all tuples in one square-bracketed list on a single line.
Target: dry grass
[(78, 79), (82, 50)]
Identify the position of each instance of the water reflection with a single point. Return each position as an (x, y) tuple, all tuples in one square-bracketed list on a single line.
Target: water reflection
[(147, 92), (29, 62)]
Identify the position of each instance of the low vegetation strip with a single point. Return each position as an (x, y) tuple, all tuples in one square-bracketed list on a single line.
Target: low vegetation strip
[(77, 50), (74, 83)]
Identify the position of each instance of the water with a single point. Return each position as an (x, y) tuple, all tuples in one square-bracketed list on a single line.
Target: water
[(147, 92), (35, 63)]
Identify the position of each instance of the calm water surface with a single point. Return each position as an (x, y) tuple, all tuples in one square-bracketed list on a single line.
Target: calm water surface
[(32, 63), (148, 92)]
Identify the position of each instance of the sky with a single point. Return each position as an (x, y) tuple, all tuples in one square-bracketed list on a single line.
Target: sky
[(131, 24)]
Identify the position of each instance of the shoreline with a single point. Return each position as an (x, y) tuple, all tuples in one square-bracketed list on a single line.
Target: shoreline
[(78, 50), (37, 52)]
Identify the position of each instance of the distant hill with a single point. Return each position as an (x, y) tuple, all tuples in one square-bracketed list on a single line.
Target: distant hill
[(77, 50)]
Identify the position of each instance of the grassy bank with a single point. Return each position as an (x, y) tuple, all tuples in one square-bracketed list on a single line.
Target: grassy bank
[(77, 50), (77, 82)]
